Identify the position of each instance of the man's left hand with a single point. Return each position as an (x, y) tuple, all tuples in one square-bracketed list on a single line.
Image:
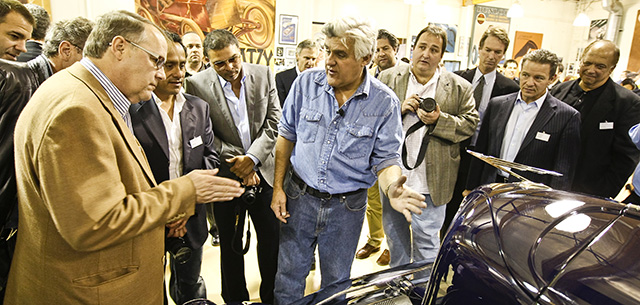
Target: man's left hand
[(242, 166), (405, 200), (177, 228), (429, 118)]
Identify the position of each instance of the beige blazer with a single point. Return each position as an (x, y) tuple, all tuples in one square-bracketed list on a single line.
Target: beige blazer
[(91, 225), (457, 122)]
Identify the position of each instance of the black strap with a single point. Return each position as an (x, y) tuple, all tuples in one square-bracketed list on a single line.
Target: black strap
[(241, 213), (423, 146)]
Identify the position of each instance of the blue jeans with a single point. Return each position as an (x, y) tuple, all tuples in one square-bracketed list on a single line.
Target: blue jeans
[(333, 225), (415, 242)]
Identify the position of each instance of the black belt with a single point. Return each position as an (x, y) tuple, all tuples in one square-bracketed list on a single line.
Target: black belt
[(318, 194)]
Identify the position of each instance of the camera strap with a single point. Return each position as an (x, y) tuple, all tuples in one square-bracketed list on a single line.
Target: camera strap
[(241, 214), (423, 146)]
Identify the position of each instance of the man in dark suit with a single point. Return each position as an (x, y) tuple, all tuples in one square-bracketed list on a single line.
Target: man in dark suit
[(529, 127), (493, 45), (34, 45), (175, 132), (244, 106), (608, 156), (306, 56)]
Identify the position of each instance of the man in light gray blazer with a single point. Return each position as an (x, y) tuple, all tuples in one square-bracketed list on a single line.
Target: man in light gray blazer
[(433, 173), (244, 113)]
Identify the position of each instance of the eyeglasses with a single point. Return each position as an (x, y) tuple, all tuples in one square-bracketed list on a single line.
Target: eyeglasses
[(158, 60), (221, 63)]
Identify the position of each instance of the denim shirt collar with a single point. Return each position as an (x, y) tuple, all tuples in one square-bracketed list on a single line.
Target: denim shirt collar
[(363, 89)]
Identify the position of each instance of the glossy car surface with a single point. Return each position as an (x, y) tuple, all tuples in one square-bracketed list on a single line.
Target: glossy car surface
[(524, 243)]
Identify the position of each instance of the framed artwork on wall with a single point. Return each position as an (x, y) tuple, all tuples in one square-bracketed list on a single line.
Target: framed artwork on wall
[(288, 29)]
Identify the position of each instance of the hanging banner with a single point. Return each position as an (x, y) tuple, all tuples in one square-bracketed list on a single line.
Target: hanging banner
[(252, 22)]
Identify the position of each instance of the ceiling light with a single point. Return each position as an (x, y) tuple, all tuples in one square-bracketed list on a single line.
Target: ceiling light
[(515, 11), (582, 20)]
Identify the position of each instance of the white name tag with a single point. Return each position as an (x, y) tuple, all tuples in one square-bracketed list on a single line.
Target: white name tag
[(606, 125), (195, 142), (542, 136)]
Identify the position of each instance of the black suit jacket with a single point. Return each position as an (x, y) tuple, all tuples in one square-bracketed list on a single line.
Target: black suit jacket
[(34, 49), (284, 80), (502, 85), (195, 122), (607, 157), (557, 120)]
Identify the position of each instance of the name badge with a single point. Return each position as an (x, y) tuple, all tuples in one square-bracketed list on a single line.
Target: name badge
[(542, 136), (606, 125), (195, 142)]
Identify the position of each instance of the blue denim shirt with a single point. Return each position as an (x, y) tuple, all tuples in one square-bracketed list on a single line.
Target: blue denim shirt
[(337, 153)]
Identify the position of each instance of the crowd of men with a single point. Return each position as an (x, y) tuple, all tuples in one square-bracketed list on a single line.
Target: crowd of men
[(119, 140)]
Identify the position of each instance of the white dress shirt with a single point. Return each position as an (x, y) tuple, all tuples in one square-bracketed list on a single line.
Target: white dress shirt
[(417, 178), (173, 129)]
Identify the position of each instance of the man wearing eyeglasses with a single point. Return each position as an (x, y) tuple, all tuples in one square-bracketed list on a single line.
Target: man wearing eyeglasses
[(244, 112), (91, 214), (607, 110)]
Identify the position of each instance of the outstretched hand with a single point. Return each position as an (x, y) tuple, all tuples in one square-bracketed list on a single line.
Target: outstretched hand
[(405, 200)]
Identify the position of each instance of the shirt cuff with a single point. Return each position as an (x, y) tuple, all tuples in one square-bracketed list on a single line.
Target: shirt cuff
[(255, 161), (384, 164)]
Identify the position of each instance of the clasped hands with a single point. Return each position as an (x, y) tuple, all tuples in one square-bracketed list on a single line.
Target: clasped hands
[(243, 168)]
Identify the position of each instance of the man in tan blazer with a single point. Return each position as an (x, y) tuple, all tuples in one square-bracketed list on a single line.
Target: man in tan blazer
[(433, 172), (91, 217)]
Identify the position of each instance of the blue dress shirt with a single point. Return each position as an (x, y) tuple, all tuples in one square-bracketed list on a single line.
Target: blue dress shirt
[(341, 149)]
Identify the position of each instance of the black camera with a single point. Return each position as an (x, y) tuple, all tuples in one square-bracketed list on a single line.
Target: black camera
[(428, 104), (178, 248), (250, 193)]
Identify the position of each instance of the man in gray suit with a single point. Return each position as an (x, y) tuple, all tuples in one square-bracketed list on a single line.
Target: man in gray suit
[(244, 112), (434, 171), (529, 127)]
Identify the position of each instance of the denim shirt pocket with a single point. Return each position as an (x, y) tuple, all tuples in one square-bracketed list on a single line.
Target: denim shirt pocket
[(357, 142), (309, 124)]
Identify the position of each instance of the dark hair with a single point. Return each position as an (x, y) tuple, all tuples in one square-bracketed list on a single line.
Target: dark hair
[(117, 23), (219, 39), (393, 41), (175, 38), (560, 67), (608, 43), (629, 81), (8, 6), (542, 56), (75, 31), (42, 20), (496, 32), (508, 61), (437, 31), (307, 44)]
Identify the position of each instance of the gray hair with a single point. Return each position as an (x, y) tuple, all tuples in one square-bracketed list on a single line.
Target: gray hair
[(307, 44), (112, 24), (42, 20), (356, 29), (219, 39), (543, 57), (75, 31)]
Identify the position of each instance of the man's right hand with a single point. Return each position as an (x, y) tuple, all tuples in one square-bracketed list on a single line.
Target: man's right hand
[(279, 204), (211, 188), (411, 104)]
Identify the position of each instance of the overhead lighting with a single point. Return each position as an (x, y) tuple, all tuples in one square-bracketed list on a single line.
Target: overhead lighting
[(582, 20), (516, 10), (413, 2)]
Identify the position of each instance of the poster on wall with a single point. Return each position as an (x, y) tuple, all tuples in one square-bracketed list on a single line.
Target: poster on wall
[(484, 17), (634, 52), (288, 29), (253, 23), (597, 29), (452, 33), (44, 3), (525, 42)]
